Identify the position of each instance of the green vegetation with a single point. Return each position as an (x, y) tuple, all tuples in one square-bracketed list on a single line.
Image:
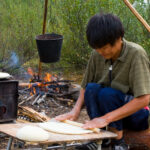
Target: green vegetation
[(21, 21)]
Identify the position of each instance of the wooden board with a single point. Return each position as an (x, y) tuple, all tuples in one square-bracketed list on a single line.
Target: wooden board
[(12, 128)]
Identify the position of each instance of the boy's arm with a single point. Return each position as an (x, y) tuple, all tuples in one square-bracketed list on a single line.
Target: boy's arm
[(75, 112), (122, 112)]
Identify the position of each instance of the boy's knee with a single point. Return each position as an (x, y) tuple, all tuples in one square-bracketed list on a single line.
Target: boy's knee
[(91, 92), (92, 87), (108, 93)]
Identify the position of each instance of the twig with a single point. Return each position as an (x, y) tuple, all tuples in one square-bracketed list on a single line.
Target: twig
[(63, 99), (42, 99), (26, 99), (36, 99), (58, 104)]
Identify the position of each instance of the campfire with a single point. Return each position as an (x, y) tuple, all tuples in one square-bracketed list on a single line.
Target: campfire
[(40, 93)]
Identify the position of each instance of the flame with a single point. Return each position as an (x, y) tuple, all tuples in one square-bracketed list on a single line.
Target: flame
[(30, 71), (36, 85), (30, 87), (34, 90), (57, 89), (47, 77)]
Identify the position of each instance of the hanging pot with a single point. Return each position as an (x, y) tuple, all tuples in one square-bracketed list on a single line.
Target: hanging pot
[(49, 47)]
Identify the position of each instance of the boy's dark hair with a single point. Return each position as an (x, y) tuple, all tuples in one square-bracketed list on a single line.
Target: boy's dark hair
[(104, 29)]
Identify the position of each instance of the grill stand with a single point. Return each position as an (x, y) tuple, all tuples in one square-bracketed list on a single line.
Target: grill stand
[(9, 143), (45, 147)]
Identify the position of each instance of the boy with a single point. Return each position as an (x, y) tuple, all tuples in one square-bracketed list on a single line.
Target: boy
[(116, 84)]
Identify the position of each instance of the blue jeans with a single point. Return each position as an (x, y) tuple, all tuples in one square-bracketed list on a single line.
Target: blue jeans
[(101, 100)]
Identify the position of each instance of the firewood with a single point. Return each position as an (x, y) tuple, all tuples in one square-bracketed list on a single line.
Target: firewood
[(42, 99), (64, 99), (25, 84), (29, 98), (51, 82), (28, 111), (36, 99), (32, 116)]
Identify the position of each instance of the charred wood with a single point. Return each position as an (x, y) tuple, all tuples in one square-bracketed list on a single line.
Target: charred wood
[(42, 99), (29, 98), (36, 99)]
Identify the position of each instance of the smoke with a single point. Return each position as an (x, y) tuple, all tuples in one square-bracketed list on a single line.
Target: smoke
[(13, 62)]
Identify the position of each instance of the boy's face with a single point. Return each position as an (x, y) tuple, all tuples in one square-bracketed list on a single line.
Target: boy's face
[(111, 52)]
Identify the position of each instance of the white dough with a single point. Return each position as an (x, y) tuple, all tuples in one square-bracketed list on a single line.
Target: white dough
[(32, 133), (63, 128), (4, 75)]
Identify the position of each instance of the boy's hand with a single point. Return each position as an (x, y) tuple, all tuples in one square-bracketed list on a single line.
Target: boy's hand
[(68, 116), (95, 123)]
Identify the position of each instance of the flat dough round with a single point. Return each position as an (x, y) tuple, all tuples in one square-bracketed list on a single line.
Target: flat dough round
[(63, 128), (32, 133)]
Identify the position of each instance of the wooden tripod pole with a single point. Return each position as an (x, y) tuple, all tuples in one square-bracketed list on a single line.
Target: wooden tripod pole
[(43, 32), (138, 16)]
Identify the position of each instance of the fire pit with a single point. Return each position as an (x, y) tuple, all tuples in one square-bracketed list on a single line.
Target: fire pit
[(50, 94)]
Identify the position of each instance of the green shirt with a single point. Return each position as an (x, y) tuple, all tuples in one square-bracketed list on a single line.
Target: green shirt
[(130, 71)]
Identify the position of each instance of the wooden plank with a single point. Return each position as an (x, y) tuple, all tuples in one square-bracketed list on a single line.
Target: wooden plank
[(12, 128)]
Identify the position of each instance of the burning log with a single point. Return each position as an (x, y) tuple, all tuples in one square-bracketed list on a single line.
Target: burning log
[(45, 83), (58, 81), (24, 84)]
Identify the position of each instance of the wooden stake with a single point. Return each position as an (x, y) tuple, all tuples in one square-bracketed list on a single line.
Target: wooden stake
[(43, 32), (138, 16)]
